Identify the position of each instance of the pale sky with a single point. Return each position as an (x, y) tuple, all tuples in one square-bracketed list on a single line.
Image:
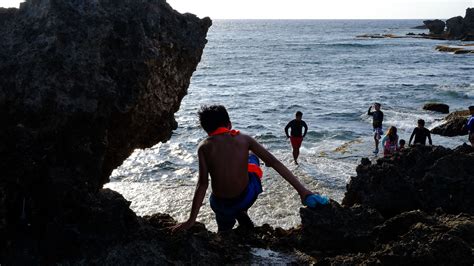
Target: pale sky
[(315, 9)]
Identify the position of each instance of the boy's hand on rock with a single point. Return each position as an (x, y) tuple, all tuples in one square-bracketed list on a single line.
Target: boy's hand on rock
[(182, 226), (304, 194)]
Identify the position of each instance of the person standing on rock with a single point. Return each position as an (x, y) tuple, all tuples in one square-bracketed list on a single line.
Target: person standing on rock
[(420, 133), (297, 135), (235, 173), (377, 119), (470, 125)]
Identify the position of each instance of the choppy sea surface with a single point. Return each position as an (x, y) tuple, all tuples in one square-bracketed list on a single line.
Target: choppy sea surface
[(264, 71)]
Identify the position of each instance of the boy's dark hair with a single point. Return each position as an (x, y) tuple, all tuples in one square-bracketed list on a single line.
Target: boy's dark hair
[(213, 117), (402, 142), (421, 122), (471, 108), (299, 113)]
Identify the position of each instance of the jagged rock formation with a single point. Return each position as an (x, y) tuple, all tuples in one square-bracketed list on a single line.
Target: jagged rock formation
[(437, 107), (454, 26), (457, 28), (426, 178), (454, 125), (415, 238), (435, 26), (83, 84)]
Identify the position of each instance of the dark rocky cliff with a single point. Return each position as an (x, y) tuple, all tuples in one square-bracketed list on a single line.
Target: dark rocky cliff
[(82, 84)]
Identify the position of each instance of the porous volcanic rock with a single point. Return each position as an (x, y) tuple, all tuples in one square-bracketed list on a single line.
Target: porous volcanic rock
[(422, 177), (437, 107), (435, 26), (454, 125), (416, 238), (83, 84), (334, 227)]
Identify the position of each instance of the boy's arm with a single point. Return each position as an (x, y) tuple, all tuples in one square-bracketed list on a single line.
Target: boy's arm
[(429, 138), (369, 111), (305, 129), (411, 137), (199, 193), (286, 129), (273, 162)]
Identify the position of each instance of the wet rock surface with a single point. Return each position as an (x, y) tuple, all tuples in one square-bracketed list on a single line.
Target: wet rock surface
[(83, 84), (454, 125), (437, 107)]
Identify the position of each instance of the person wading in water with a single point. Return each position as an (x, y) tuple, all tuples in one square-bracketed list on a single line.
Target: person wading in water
[(297, 134)]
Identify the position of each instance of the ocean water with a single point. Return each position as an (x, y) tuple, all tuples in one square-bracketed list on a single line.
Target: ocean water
[(264, 71)]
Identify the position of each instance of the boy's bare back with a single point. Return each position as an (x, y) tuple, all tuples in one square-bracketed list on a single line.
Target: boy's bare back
[(225, 158)]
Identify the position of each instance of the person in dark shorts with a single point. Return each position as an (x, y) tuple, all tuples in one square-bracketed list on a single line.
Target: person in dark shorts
[(420, 133), (297, 134), (230, 158), (377, 120), (470, 125)]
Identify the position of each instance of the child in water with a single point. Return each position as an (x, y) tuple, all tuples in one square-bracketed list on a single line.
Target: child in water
[(401, 145), (235, 173), (390, 141)]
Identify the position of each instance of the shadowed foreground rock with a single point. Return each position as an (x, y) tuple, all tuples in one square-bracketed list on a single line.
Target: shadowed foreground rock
[(426, 178), (83, 84), (330, 235), (385, 227)]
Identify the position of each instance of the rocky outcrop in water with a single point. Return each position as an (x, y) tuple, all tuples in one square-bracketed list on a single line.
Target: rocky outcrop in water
[(457, 28), (435, 26), (437, 107), (454, 26), (83, 84), (454, 125)]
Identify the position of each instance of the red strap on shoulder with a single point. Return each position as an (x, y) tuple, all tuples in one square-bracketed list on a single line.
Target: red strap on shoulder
[(253, 168), (223, 130)]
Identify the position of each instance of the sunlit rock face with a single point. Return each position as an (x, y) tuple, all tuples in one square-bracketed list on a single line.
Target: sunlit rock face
[(82, 84)]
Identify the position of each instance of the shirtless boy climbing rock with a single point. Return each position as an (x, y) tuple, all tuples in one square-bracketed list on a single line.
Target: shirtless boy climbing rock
[(235, 173)]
